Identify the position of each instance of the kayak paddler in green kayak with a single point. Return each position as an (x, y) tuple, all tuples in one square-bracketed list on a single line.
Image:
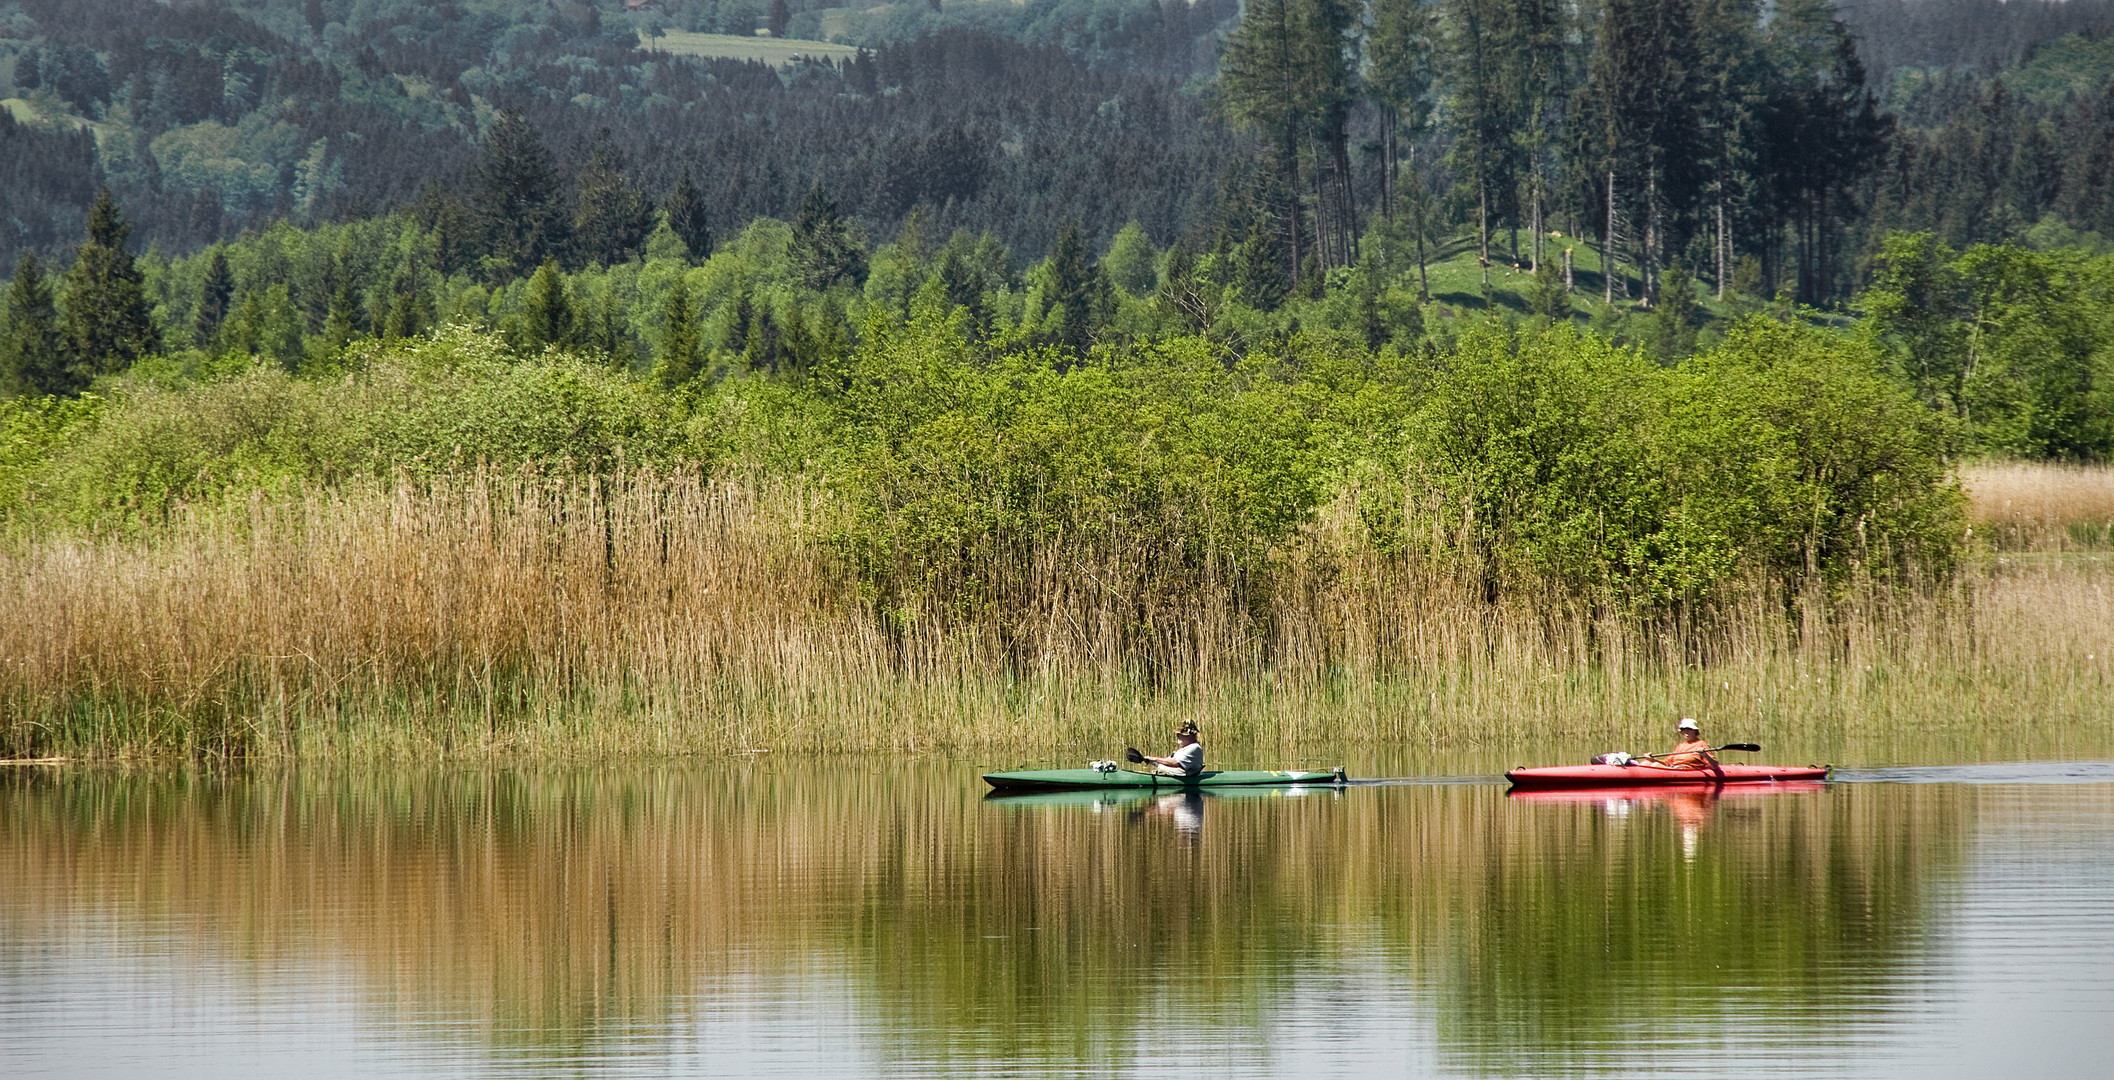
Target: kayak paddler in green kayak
[(1188, 756)]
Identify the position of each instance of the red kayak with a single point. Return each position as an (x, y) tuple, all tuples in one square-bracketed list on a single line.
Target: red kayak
[(1646, 775), (1652, 793)]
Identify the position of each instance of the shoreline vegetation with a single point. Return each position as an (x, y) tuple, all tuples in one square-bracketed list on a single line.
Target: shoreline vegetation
[(449, 551)]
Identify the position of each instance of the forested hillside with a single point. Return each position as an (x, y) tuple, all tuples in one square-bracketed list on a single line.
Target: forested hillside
[(188, 188)]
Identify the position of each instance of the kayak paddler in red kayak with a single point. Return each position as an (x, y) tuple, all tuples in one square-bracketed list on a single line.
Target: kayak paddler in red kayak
[(1691, 752)]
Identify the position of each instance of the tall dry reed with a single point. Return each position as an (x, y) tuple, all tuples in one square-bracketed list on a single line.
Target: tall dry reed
[(561, 615), (2036, 506)]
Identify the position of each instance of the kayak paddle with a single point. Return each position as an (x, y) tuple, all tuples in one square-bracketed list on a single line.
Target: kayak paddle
[(1747, 746), (1130, 754)]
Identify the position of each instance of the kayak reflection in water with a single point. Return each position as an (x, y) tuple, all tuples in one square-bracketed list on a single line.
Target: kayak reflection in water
[(1188, 756), (1691, 752)]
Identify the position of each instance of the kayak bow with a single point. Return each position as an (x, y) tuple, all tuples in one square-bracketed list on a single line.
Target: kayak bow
[(1083, 779), (1644, 775)]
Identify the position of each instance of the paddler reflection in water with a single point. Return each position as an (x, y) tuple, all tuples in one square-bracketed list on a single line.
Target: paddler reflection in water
[(1691, 752), (1188, 756)]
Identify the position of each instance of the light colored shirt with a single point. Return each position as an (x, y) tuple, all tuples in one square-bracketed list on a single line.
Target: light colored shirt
[(1190, 758)]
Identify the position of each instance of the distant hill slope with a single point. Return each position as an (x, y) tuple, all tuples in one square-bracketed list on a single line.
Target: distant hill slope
[(2067, 65)]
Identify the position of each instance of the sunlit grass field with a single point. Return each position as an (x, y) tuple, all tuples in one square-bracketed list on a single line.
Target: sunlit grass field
[(778, 51)]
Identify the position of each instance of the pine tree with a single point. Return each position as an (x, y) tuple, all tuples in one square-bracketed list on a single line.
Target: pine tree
[(344, 317), (517, 198), (1258, 269), (612, 216), (676, 361), (546, 313), (779, 15), (106, 322), (686, 216), (409, 312), (1079, 285), (1647, 77), (32, 354), (213, 299), (823, 251), (1259, 78), (1180, 295), (1399, 78), (1481, 123)]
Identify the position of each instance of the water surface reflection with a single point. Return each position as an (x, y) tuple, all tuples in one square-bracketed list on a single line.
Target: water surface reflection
[(765, 919)]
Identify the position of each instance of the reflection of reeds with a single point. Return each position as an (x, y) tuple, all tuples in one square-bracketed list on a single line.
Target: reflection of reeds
[(561, 906), (653, 614), (2033, 506)]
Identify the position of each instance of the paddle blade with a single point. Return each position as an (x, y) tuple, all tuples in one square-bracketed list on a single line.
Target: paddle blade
[(1741, 746), (1130, 754)]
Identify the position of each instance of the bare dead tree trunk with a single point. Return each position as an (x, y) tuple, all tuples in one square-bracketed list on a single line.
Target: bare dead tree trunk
[(1607, 244)]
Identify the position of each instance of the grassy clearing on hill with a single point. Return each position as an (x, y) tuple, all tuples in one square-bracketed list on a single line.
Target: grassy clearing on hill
[(779, 51)]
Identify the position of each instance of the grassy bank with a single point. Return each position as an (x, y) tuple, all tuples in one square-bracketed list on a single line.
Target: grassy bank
[(567, 616)]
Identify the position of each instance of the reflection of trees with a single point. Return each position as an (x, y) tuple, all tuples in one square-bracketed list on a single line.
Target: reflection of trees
[(1556, 931), (576, 904)]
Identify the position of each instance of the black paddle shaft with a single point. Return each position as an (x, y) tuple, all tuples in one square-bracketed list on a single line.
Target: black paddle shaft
[(1747, 747)]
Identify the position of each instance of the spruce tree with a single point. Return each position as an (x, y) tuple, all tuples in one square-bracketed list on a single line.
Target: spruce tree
[(1259, 279), (1259, 78), (517, 198), (344, 317), (612, 216), (1079, 285), (686, 217), (676, 361), (106, 322), (213, 299), (409, 313), (546, 313), (1399, 78), (823, 250), (32, 356)]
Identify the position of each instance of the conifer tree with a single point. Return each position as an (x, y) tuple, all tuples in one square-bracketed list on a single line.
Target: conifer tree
[(409, 312), (1180, 295), (1259, 278), (32, 356), (1399, 76), (213, 299), (343, 319), (612, 216), (823, 251), (546, 313), (676, 360), (686, 217), (1259, 78), (517, 198), (1079, 285), (106, 321)]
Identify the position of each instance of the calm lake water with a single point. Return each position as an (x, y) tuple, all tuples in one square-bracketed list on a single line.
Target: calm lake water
[(795, 918)]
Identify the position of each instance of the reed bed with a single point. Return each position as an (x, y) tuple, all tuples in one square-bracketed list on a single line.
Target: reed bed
[(563, 615), (2030, 506)]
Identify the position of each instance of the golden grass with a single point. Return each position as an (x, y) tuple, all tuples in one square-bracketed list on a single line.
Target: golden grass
[(538, 615), (2038, 506)]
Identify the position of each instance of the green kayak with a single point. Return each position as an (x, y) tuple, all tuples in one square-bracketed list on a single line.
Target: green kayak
[(1082, 779)]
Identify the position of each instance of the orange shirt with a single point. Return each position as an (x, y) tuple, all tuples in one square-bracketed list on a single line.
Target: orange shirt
[(1688, 755)]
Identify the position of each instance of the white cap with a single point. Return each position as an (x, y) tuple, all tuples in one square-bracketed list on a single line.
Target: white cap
[(1686, 724)]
